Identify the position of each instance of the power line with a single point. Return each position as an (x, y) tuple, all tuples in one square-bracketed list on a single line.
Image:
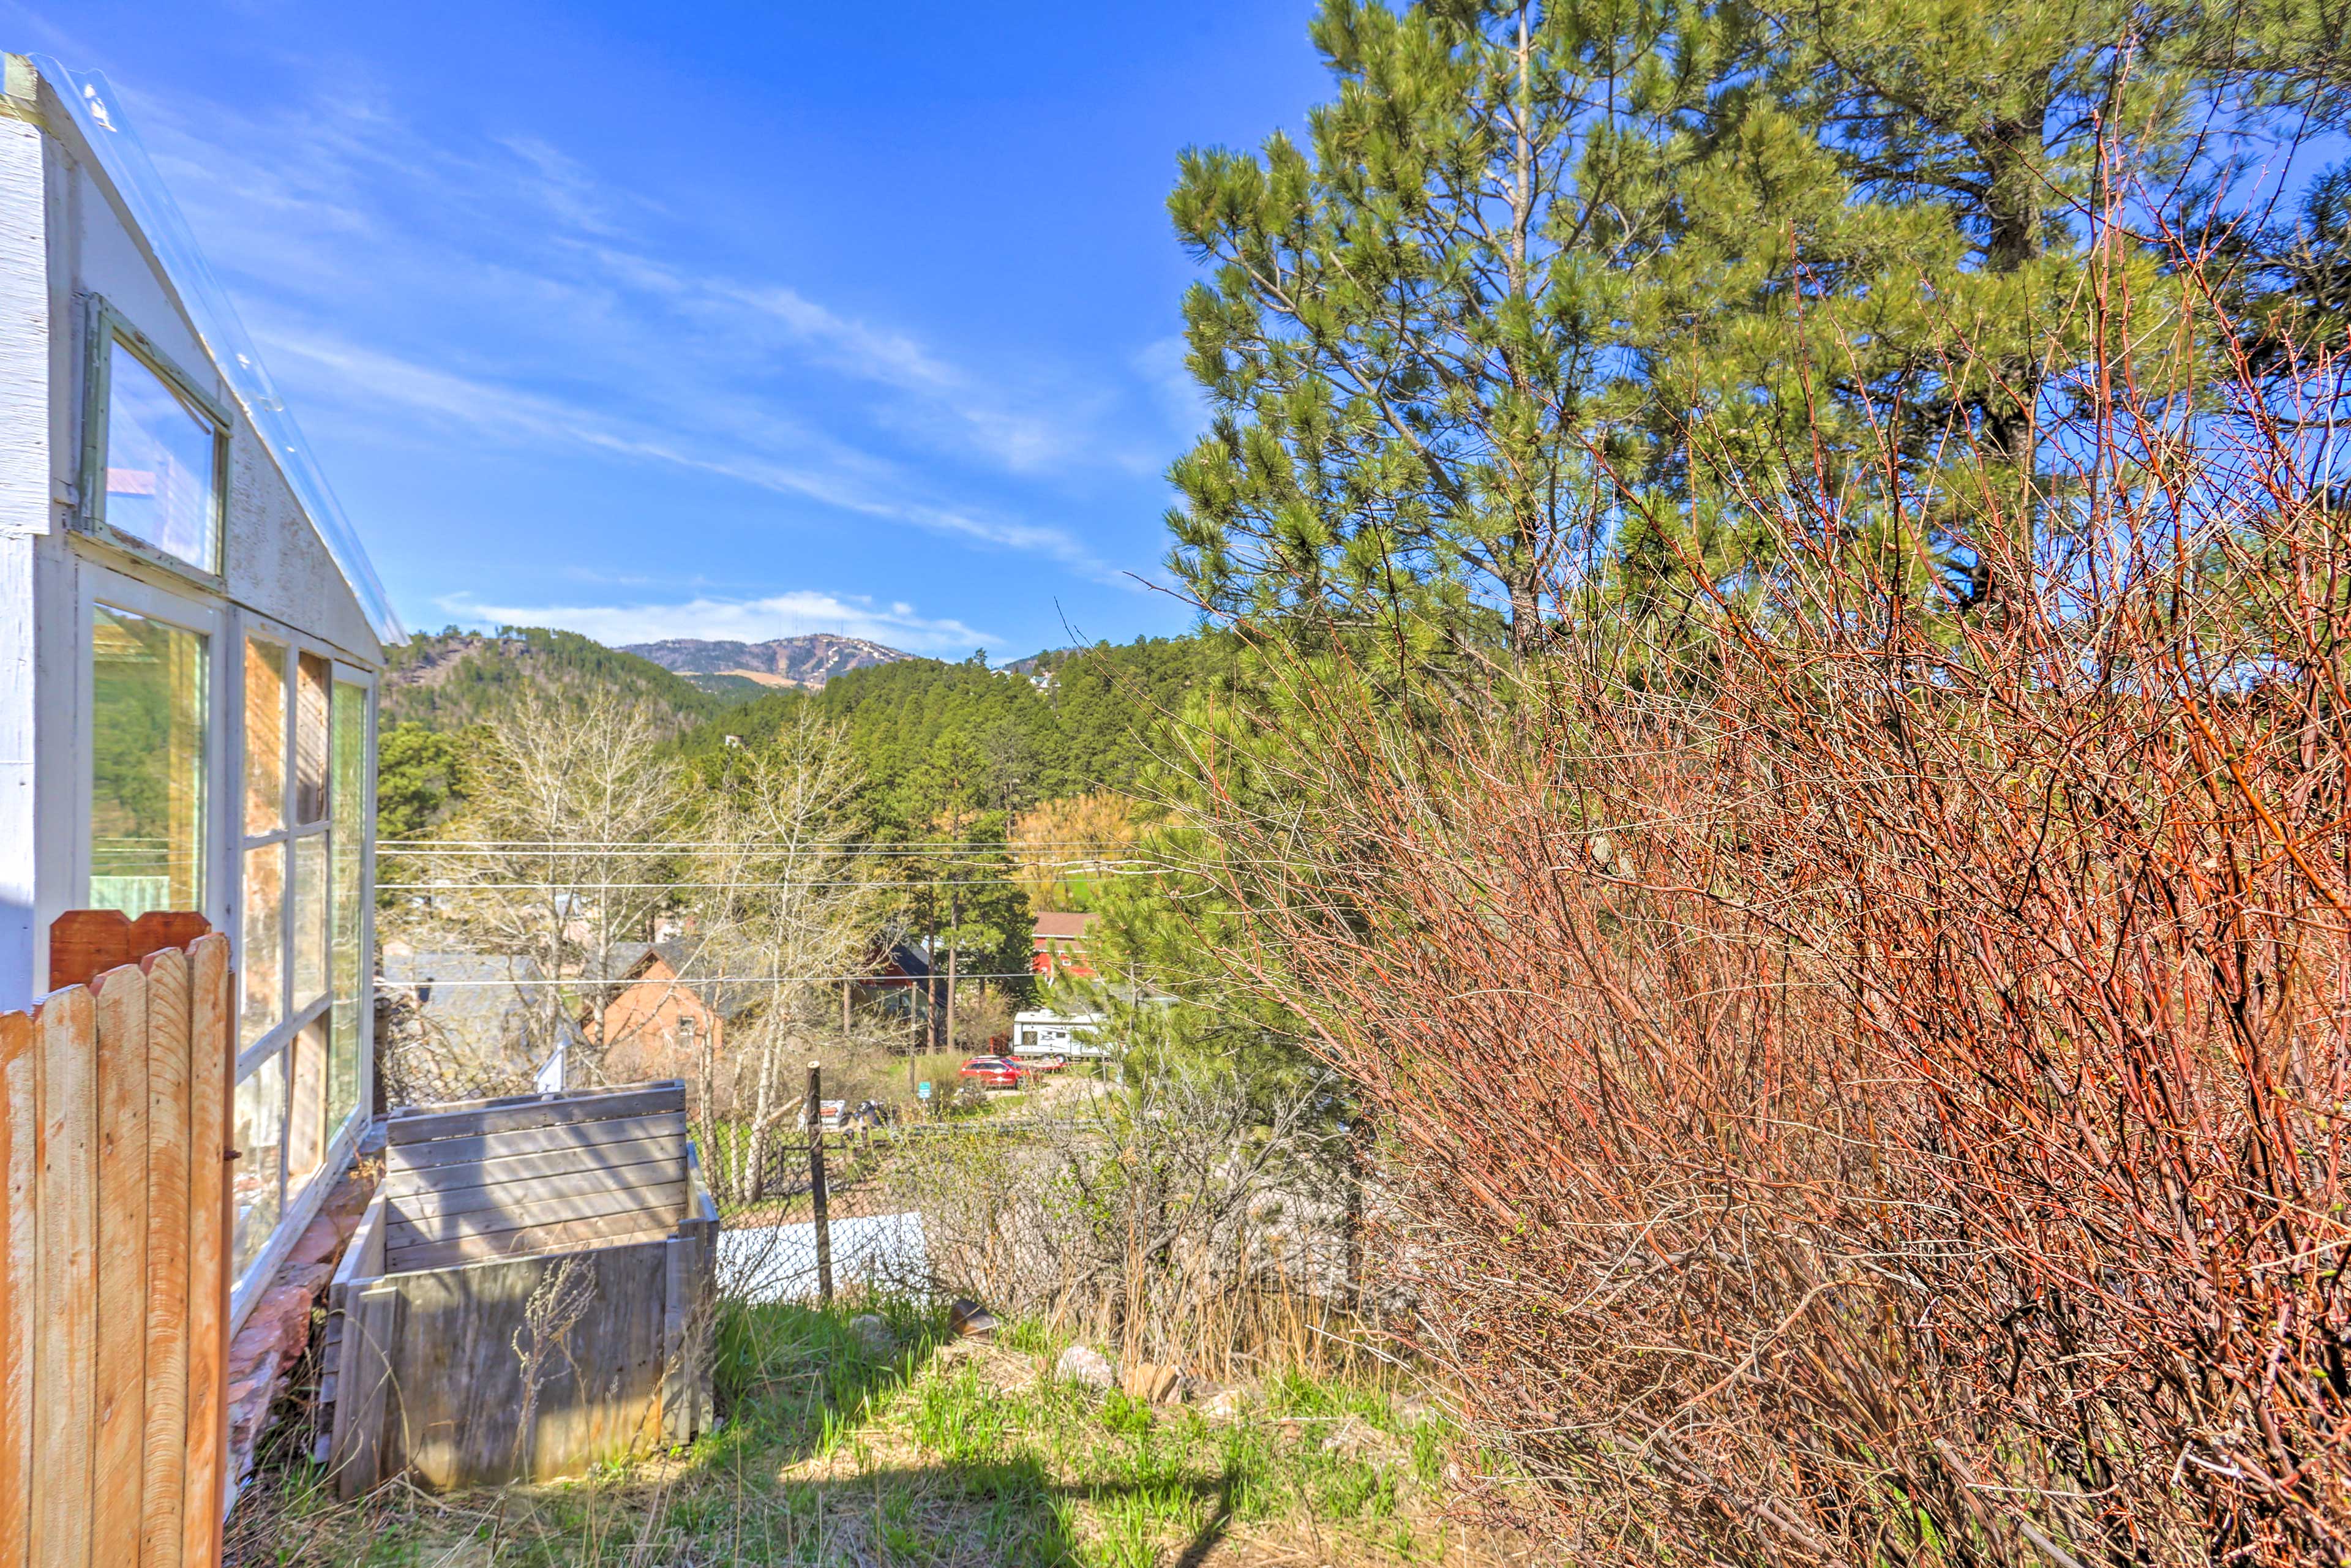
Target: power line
[(384, 983), (667, 846), (737, 886)]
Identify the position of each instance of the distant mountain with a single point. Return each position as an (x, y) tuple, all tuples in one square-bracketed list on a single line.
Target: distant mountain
[(805, 662), (447, 680)]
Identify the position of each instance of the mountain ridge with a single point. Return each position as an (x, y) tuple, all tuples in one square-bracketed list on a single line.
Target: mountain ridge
[(447, 680), (804, 662)]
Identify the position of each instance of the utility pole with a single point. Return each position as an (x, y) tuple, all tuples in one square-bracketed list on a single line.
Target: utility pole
[(816, 1182)]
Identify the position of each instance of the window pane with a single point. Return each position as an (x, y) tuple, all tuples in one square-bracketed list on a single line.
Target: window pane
[(265, 736), (311, 740), (162, 481), (306, 1122), (342, 1063), (347, 962), (147, 764), (350, 834), (260, 1133), (264, 931), (307, 911)]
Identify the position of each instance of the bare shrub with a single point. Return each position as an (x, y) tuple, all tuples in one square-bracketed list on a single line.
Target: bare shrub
[(1182, 1221), (1871, 1071), (555, 856)]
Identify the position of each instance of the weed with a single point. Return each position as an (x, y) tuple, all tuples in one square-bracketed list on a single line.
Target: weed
[(936, 1456)]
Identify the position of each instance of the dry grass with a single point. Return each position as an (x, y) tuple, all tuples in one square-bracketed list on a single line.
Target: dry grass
[(939, 1453)]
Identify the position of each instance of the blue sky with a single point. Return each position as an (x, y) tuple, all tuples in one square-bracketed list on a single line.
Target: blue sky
[(723, 320)]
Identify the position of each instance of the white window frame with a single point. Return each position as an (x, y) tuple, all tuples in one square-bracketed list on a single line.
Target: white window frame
[(291, 1019), (99, 585), (297, 1210), (107, 327)]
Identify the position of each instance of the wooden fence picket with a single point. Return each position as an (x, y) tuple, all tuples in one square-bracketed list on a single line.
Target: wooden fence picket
[(163, 1461), (114, 1247), (19, 1270)]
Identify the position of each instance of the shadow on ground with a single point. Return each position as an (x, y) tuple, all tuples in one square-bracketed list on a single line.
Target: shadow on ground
[(801, 1472)]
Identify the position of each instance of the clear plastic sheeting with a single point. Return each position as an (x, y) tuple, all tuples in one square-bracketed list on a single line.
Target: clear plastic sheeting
[(98, 111)]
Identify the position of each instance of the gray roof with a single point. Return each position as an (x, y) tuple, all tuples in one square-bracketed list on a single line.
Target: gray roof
[(481, 1015)]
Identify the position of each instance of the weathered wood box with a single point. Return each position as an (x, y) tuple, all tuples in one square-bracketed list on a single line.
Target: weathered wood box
[(528, 1296)]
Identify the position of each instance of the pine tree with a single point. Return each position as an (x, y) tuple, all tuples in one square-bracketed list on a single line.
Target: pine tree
[(1406, 338)]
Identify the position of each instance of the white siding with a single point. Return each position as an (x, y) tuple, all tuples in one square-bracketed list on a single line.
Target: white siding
[(24, 499)]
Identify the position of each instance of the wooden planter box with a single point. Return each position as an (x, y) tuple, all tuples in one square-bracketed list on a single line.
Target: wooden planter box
[(528, 1296)]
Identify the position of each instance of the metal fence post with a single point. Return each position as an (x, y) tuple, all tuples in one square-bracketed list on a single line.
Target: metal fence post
[(816, 1182)]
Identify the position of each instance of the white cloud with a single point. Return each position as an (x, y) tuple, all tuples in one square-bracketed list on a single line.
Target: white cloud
[(715, 619)]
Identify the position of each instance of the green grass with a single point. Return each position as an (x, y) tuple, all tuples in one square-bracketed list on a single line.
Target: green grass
[(935, 1454)]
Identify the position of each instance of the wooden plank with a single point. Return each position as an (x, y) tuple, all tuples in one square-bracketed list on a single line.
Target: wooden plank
[(464, 1392), (663, 1153), (119, 1386), (164, 1468), (363, 1259), (546, 1110), (667, 1202), (354, 1269), (212, 1063), (19, 1277), (663, 1170), (68, 1204), (682, 1376), (536, 1141), (602, 1230), (86, 943), (371, 1330)]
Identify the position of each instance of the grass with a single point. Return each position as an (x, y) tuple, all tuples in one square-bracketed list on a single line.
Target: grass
[(927, 1451)]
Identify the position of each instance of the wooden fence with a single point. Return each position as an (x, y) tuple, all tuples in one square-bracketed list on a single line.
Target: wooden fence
[(114, 1136)]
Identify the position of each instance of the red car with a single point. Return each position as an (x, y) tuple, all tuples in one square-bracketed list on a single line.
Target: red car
[(994, 1071)]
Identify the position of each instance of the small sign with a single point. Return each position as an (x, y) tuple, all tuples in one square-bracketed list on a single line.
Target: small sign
[(922, 1090)]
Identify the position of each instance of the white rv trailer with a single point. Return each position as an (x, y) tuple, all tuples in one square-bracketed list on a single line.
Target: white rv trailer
[(1073, 1035)]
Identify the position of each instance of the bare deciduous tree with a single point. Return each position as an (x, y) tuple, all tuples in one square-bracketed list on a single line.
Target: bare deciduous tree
[(779, 901), (559, 853)]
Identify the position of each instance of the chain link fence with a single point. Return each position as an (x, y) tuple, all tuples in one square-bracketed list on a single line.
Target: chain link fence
[(1187, 1219)]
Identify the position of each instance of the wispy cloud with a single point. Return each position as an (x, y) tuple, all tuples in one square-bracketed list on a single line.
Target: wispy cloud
[(734, 620), (817, 470), (398, 260)]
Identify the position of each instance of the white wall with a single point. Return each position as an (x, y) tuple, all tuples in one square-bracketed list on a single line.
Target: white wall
[(25, 479), (65, 237)]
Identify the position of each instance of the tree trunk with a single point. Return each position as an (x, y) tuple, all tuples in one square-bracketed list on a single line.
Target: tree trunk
[(755, 1187), (2010, 436)]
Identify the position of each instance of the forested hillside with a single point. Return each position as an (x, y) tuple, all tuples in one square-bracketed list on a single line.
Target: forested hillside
[(1013, 740), (447, 680), (928, 733)]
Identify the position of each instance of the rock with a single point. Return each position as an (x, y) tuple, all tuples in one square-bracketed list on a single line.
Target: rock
[(1224, 1405), (1149, 1383), (873, 1332), (317, 1244), (1084, 1363), (966, 1316)]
